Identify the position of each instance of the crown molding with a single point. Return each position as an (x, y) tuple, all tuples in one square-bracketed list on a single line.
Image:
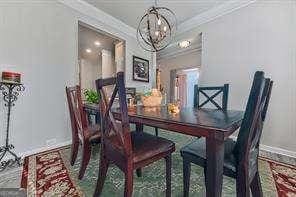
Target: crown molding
[(176, 53), (110, 21), (212, 14), (97, 14)]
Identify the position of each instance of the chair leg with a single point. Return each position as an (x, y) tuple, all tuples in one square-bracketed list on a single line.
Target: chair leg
[(104, 164), (156, 131), (186, 177), (74, 151), (205, 173), (242, 185), (139, 172), (86, 152), (139, 128), (168, 169), (256, 186), (128, 187)]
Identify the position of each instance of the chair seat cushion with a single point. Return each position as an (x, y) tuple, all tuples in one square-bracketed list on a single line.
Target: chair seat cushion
[(146, 146), (195, 152)]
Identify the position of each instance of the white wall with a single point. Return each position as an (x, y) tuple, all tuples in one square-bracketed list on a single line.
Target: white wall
[(40, 40), (189, 60), (260, 36), (89, 72), (108, 67), (119, 56)]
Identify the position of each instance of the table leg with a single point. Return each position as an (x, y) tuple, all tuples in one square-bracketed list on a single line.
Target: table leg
[(215, 160), (139, 127)]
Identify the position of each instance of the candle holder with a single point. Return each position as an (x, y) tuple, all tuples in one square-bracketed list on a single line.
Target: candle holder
[(10, 92)]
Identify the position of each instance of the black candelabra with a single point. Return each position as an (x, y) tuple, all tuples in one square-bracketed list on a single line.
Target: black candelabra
[(10, 92)]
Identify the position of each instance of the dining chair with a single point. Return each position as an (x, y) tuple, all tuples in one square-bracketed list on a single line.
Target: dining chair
[(198, 91), (82, 132), (127, 150), (241, 156), (210, 93)]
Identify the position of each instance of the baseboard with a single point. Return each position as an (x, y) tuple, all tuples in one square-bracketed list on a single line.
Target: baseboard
[(42, 149), (279, 151), (269, 149), (280, 154)]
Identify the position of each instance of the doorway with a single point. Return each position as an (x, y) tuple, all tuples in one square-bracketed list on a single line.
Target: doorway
[(184, 82), (100, 55)]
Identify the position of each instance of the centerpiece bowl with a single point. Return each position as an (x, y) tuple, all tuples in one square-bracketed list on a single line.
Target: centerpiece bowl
[(152, 99)]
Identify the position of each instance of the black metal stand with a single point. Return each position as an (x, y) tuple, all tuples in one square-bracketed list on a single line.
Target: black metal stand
[(10, 92)]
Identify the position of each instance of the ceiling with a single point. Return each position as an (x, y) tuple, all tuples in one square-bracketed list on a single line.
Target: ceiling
[(131, 11), (86, 39)]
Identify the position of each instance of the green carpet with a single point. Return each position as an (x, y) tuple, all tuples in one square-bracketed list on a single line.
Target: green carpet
[(152, 182)]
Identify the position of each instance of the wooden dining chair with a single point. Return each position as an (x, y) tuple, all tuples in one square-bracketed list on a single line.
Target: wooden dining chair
[(82, 132), (241, 156), (127, 150), (215, 91), (198, 91)]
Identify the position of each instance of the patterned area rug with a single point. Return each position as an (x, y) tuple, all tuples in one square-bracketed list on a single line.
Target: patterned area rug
[(50, 174)]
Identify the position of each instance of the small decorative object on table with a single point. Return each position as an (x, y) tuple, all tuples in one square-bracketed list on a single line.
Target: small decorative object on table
[(173, 108), (130, 95), (10, 86), (152, 99)]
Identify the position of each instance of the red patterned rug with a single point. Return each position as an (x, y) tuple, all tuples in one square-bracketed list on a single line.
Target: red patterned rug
[(46, 174), (284, 177), (49, 174)]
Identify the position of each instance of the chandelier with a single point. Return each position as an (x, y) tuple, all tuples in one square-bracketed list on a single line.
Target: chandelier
[(156, 28)]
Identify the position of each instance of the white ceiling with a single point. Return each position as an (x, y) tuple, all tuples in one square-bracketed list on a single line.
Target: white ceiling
[(131, 11), (86, 38)]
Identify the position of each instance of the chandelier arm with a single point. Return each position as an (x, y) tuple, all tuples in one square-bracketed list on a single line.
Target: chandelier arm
[(148, 43), (151, 40), (174, 16), (143, 47), (169, 26)]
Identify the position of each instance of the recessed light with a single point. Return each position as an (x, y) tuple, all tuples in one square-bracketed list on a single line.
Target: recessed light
[(184, 44), (88, 50), (97, 43)]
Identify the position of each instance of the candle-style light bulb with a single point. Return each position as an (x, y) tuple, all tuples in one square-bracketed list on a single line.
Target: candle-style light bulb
[(159, 21)]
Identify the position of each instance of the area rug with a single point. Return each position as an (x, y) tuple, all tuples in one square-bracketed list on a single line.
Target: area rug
[(50, 174), (284, 177), (46, 174)]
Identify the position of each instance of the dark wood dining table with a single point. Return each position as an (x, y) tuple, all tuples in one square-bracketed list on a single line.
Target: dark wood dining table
[(215, 125)]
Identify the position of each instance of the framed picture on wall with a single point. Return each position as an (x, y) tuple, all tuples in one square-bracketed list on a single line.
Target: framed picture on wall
[(140, 69)]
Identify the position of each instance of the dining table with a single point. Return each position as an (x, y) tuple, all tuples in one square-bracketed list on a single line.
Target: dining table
[(213, 124)]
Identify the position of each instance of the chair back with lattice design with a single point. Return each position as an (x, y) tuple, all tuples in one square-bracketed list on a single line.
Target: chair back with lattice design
[(198, 91), (120, 131)]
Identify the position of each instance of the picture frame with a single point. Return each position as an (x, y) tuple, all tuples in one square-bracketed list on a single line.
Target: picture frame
[(140, 69)]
